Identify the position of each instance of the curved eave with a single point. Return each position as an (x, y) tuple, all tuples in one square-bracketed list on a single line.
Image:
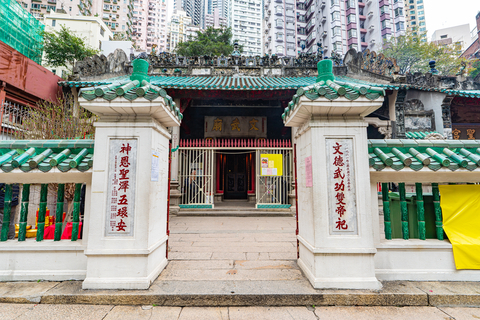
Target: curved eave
[(338, 108), (138, 107)]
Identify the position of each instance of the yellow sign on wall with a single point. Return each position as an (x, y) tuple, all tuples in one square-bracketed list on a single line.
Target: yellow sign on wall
[(271, 165), (461, 222)]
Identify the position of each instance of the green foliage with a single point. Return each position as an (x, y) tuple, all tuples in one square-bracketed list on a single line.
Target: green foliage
[(413, 53), (475, 71), (63, 48), (212, 42), (60, 119)]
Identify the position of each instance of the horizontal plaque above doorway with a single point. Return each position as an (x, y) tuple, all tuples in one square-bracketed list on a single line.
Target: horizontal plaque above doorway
[(235, 126)]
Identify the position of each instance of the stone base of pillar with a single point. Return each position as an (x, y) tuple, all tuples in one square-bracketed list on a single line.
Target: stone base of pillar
[(252, 197), (338, 268), (112, 268)]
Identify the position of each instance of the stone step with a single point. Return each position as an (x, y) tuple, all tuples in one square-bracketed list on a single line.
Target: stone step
[(245, 293), (242, 213), (236, 212)]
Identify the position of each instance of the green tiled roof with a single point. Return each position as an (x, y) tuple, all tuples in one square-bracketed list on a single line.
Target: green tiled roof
[(130, 90), (417, 154), (258, 83), (43, 155), (329, 87), (210, 82)]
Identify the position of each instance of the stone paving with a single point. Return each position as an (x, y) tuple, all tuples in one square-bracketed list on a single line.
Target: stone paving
[(149, 312), (232, 248)]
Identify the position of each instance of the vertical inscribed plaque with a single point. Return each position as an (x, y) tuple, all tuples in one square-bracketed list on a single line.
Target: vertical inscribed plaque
[(341, 187), (122, 171)]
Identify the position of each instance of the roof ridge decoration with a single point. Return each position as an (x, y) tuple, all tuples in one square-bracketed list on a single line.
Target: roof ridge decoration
[(327, 86)]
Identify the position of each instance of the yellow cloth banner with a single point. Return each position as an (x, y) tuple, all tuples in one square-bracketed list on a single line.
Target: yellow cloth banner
[(461, 222)]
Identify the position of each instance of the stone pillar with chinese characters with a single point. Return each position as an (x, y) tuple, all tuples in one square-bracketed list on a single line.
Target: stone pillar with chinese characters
[(336, 242), (127, 225)]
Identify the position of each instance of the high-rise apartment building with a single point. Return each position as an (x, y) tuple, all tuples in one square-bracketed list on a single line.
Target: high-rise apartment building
[(150, 25), (222, 6), (177, 31), (335, 25), (280, 28), (245, 19), (215, 20), (415, 16), (194, 9)]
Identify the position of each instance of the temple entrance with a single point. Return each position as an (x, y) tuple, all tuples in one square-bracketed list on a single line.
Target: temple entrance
[(235, 176), (250, 170)]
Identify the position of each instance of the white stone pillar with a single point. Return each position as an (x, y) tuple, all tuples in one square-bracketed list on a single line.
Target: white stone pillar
[(127, 225), (335, 218), (132, 261)]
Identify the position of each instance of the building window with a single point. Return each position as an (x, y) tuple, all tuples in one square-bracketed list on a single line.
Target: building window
[(352, 33), (279, 36), (400, 26), (54, 22), (279, 49), (351, 18), (334, 2), (398, 12), (335, 15), (102, 32), (336, 31)]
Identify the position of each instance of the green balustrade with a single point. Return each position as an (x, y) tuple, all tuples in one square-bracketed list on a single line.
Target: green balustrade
[(7, 208), (420, 212), (22, 229), (438, 211), (21, 159), (42, 211), (59, 212), (386, 212), (78, 158), (60, 157), (76, 211), (403, 210), (33, 163)]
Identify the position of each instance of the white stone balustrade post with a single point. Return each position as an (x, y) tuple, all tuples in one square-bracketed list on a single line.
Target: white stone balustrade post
[(335, 219), (128, 216)]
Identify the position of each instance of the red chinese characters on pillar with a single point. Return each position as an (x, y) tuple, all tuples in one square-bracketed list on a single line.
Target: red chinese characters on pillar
[(120, 185), (339, 164)]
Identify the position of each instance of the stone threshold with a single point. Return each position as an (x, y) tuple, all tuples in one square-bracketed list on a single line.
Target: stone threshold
[(245, 293)]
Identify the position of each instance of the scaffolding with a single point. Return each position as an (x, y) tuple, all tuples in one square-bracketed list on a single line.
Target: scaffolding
[(21, 30)]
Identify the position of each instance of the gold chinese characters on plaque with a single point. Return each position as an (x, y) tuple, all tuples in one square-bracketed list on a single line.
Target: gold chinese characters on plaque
[(235, 126), (465, 131)]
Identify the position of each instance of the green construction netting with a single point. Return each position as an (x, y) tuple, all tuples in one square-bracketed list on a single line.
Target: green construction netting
[(21, 30)]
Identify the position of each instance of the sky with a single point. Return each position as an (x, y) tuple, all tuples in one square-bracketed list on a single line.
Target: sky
[(441, 14)]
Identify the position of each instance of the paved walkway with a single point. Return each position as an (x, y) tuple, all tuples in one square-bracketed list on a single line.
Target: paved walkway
[(232, 248), (109, 312)]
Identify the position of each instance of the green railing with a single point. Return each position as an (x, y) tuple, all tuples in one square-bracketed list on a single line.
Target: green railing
[(42, 210), (412, 212)]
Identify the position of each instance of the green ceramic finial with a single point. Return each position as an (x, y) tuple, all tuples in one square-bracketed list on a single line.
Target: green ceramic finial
[(140, 70), (325, 70)]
